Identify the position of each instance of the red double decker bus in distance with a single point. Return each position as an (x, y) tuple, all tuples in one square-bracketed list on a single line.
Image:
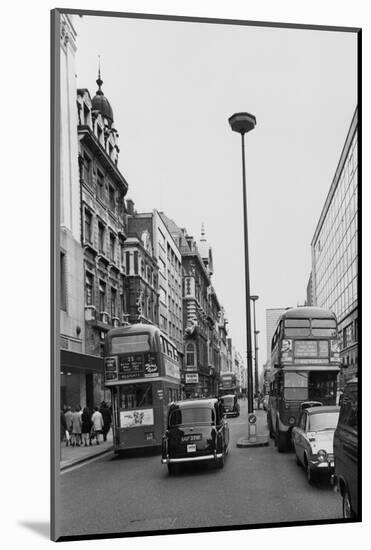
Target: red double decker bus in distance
[(142, 370), (305, 363), (228, 384)]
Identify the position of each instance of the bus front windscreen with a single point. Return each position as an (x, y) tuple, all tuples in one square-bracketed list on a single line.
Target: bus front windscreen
[(302, 386)]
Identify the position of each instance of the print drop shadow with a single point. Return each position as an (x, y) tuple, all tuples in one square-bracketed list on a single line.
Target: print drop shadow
[(42, 528)]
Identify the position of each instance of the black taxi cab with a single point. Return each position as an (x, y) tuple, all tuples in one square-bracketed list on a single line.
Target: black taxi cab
[(196, 430), (230, 405)]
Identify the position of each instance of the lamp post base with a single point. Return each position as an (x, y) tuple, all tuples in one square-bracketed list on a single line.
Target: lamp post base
[(253, 439)]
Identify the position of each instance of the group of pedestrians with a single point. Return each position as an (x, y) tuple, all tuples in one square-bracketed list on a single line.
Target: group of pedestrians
[(81, 426)]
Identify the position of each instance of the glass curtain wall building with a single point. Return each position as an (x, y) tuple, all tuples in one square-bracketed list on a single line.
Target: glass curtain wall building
[(335, 252)]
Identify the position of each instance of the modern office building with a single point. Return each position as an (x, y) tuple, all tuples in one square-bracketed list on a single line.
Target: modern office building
[(334, 248)]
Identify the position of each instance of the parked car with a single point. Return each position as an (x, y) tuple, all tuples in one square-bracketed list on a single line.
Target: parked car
[(346, 450), (265, 402), (313, 440), (196, 430), (230, 405), (308, 404)]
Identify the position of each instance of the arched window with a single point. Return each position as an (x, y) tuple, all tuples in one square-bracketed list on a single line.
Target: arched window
[(190, 355)]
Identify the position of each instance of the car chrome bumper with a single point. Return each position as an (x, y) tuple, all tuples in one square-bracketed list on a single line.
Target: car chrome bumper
[(317, 464), (169, 460)]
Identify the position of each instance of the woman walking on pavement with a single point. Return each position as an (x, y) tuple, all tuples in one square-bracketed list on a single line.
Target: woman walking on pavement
[(97, 420), (86, 425), (76, 427)]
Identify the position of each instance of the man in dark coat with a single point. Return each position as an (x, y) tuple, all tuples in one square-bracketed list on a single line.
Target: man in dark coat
[(107, 419)]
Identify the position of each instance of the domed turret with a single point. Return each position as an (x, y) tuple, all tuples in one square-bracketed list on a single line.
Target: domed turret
[(100, 102)]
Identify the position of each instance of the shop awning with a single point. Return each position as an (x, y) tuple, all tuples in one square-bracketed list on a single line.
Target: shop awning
[(81, 362)]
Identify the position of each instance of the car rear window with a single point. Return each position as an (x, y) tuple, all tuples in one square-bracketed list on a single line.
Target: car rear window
[(194, 415)]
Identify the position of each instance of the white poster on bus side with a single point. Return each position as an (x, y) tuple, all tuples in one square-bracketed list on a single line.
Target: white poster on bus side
[(171, 369), (133, 419)]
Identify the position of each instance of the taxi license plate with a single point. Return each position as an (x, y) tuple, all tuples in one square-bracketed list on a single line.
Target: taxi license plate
[(191, 448)]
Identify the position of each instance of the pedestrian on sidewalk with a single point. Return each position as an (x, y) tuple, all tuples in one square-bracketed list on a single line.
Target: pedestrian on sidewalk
[(68, 417), (107, 419), (76, 427), (86, 425), (97, 420)]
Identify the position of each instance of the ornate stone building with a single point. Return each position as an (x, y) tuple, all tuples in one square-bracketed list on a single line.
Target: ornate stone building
[(201, 315), (103, 222), (142, 273)]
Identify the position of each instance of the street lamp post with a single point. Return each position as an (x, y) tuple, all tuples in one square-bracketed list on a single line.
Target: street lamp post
[(256, 332), (243, 123)]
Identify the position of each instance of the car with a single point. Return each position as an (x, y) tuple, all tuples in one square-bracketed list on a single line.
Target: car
[(345, 478), (313, 439), (197, 430), (265, 402), (230, 405), (307, 404)]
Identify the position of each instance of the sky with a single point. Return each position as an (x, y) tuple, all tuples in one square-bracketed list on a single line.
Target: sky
[(172, 87)]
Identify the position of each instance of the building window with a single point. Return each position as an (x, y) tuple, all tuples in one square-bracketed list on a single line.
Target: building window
[(102, 296), (112, 246), (113, 302), (190, 355), (127, 263), (88, 227), (86, 169), (86, 116), (111, 198), (101, 237), (89, 285), (99, 133), (63, 282), (100, 186), (136, 263)]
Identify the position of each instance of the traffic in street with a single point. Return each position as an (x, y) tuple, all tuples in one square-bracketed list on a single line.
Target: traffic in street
[(136, 493)]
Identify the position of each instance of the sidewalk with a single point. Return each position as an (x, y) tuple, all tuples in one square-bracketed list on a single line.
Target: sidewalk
[(70, 456)]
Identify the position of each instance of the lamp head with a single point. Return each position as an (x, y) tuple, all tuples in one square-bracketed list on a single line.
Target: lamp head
[(242, 122)]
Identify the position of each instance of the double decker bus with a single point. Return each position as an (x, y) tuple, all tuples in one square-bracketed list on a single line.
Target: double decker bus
[(142, 370), (305, 363), (227, 384)]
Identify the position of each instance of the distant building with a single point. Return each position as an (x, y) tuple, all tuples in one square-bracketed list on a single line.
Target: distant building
[(335, 251), (168, 274), (142, 273), (203, 318)]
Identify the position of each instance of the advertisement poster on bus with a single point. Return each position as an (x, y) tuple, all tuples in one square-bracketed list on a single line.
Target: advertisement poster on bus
[(171, 369), (141, 417)]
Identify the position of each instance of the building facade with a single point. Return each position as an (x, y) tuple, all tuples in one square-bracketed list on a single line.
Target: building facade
[(202, 315), (141, 281), (72, 328), (334, 249), (103, 229), (167, 275)]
